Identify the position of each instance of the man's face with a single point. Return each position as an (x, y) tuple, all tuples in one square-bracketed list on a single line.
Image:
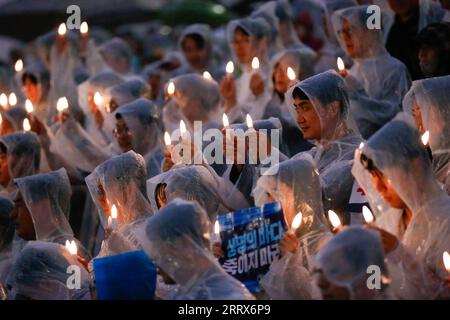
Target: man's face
[(307, 119), (385, 189), (242, 46), (403, 7), (330, 291), (5, 177), (123, 135), (347, 36), (428, 60), (32, 91), (194, 55), (22, 220)]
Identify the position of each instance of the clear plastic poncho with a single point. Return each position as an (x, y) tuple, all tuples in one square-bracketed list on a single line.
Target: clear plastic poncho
[(339, 137), (23, 155), (296, 185), (432, 96), (197, 183), (7, 231), (129, 91), (117, 49), (40, 272), (346, 258), (144, 124), (195, 99), (177, 239), (397, 151)]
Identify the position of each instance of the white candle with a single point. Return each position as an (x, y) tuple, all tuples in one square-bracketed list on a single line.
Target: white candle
[(255, 63), (62, 29), (368, 215), (12, 99), (340, 64), (29, 106), (113, 217), (84, 28), (291, 74), (18, 66), (229, 67), (207, 75), (249, 121), (26, 124), (225, 121), (3, 100), (334, 219), (296, 222), (425, 138)]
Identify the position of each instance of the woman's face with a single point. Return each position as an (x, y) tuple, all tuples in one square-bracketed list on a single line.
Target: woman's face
[(418, 116), (22, 220), (32, 91), (196, 56), (5, 177), (329, 290), (307, 119), (102, 199), (347, 34), (384, 188), (242, 47), (123, 135), (281, 80)]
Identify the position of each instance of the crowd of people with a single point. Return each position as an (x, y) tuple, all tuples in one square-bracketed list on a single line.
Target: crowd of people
[(84, 161)]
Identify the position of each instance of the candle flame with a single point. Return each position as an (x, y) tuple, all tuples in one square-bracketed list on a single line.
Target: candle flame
[(29, 106), (171, 88), (361, 145), (62, 104), (98, 99), (71, 246), (291, 74), (225, 121), (249, 121), (446, 258), (182, 127), (255, 63), (230, 67), (62, 29), (368, 215), (167, 139), (114, 211), (207, 75), (297, 221), (12, 99), (334, 219), (3, 100), (26, 124), (18, 66), (426, 138), (84, 28), (1, 119), (217, 227), (340, 64)]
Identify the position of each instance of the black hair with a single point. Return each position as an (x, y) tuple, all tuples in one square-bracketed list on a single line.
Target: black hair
[(240, 29), (299, 94), (31, 77), (197, 38), (3, 148)]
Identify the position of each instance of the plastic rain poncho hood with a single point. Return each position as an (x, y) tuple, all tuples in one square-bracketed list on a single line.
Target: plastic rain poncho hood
[(177, 239)]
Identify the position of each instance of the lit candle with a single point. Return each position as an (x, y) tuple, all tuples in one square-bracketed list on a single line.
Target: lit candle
[(229, 67), (26, 124), (98, 99), (207, 75), (291, 74), (446, 258), (72, 247), (12, 99), (171, 88), (62, 104), (84, 28), (3, 100), (113, 216), (183, 129), (255, 63), (18, 66), (340, 64), (334, 219), (225, 121), (425, 138), (167, 140), (361, 145), (216, 231), (62, 29), (249, 121), (29, 106), (296, 222), (367, 214)]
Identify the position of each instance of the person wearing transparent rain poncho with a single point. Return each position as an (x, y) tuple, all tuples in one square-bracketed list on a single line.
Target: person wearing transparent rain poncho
[(127, 92), (177, 239), (248, 39), (330, 51), (393, 168), (40, 273), (119, 182), (340, 268), (296, 185), (376, 82), (429, 102), (42, 208), (20, 155), (321, 108), (195, 99), (7, 248), (195, 42)]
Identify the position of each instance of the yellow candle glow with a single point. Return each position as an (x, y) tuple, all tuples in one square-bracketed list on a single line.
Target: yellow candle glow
[(29, 106), (334, 219), (368, 215), (171, 88), (340, 64), (62, 29), (18, 66), (207, 75), (12, 99), (217, 227), (3, 100), (72, 247), (249, 121), (425, 138), (255, 63), (446, 258), (225, 121), (291, 74), (297, 221), (26, 125), (114, 214), (182, 127), (84, 28), (62, 104), (229, 67), (98, 99), (167, 139)]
